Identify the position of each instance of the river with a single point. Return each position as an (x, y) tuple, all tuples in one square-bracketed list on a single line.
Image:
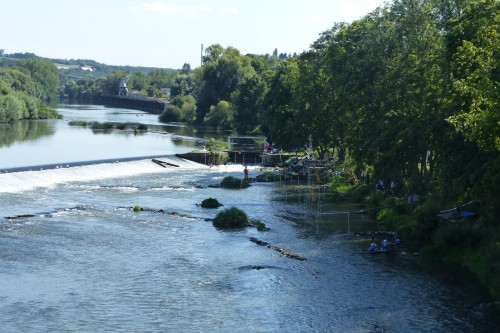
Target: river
[(75, 257)]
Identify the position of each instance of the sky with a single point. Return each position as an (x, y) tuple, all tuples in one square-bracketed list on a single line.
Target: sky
[(168, 33)]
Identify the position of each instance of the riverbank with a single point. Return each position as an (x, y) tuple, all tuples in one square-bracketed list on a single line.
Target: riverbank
[(465, 242)]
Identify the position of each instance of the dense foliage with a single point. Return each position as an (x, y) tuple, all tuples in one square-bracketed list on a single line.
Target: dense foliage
[(408, 93), (210, 203), (231, 218), (234, 182), (26, 89)]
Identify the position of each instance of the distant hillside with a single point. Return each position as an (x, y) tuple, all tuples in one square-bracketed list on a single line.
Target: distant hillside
[(79, 67)]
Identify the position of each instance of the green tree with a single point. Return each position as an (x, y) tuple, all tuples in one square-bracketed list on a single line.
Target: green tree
[(475, 44), (220, 116), (188, 109), (162, 79), (213, 53), (18, 81), (248, 103), (281, 111), (44, 75), (139, 82), (184, 85), (186, 69), (11, 108), (152, 91), (220, 77), (171, 114), (111, 83)]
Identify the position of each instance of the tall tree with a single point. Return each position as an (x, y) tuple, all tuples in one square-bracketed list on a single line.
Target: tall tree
[(247, 101), (44, 74), (220, 77), (281, 110), (475, 44)]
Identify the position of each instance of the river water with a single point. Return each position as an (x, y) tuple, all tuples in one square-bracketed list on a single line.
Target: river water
[(75, 257)]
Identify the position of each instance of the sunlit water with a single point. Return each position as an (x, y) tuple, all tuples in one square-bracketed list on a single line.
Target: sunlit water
[(75, 257), (46, 142)]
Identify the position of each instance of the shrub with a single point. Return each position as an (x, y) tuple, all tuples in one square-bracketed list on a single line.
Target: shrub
[(108, 126), (210, 203), (451, 242), (428, 221), (259, 225), (485, 263), (231, 218), (234, 182), (79, 123), (342, 192), (137, 208), (172, 113), (266, 177), (403, 224), (142, 127)]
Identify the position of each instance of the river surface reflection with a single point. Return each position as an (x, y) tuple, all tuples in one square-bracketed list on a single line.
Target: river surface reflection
[(43, 142)]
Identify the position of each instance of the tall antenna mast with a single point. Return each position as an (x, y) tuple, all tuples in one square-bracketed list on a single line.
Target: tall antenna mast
[(201, 55)]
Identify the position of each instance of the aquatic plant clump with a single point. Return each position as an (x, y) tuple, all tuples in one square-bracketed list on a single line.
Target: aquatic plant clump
[(234, 182), (210, 203), (80, 123), (261, 226), (231, 218), (137, 208), (267, 177)]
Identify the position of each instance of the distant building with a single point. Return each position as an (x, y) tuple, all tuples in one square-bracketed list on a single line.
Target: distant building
[(87, 68), (165, 91)]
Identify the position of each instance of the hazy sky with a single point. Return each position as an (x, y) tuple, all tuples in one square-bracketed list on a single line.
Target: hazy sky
[(167, 33)]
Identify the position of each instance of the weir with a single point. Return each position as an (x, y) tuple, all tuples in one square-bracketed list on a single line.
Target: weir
[(31, 178), (138, 102)]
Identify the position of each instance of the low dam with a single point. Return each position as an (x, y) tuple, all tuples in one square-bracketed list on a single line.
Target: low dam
[(144, 103), (222, 157)]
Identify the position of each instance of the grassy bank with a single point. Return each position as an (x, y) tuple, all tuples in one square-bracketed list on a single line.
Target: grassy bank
[(470, 243)]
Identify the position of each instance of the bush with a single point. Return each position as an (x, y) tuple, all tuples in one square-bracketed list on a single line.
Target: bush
[(137, 208), (210, 203), (171, 114), (485, 263), (231, 218), (142, 127), (428, 221), (79, 123), (259, 225), (102, 126), (394, 218), (451, 242), (267, 177), (234, 182)]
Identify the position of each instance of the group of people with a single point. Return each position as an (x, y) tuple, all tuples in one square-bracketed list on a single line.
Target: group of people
[(385, 245), (379, 186)]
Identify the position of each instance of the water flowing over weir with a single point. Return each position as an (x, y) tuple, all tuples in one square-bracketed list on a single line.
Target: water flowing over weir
[(49, 176)]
